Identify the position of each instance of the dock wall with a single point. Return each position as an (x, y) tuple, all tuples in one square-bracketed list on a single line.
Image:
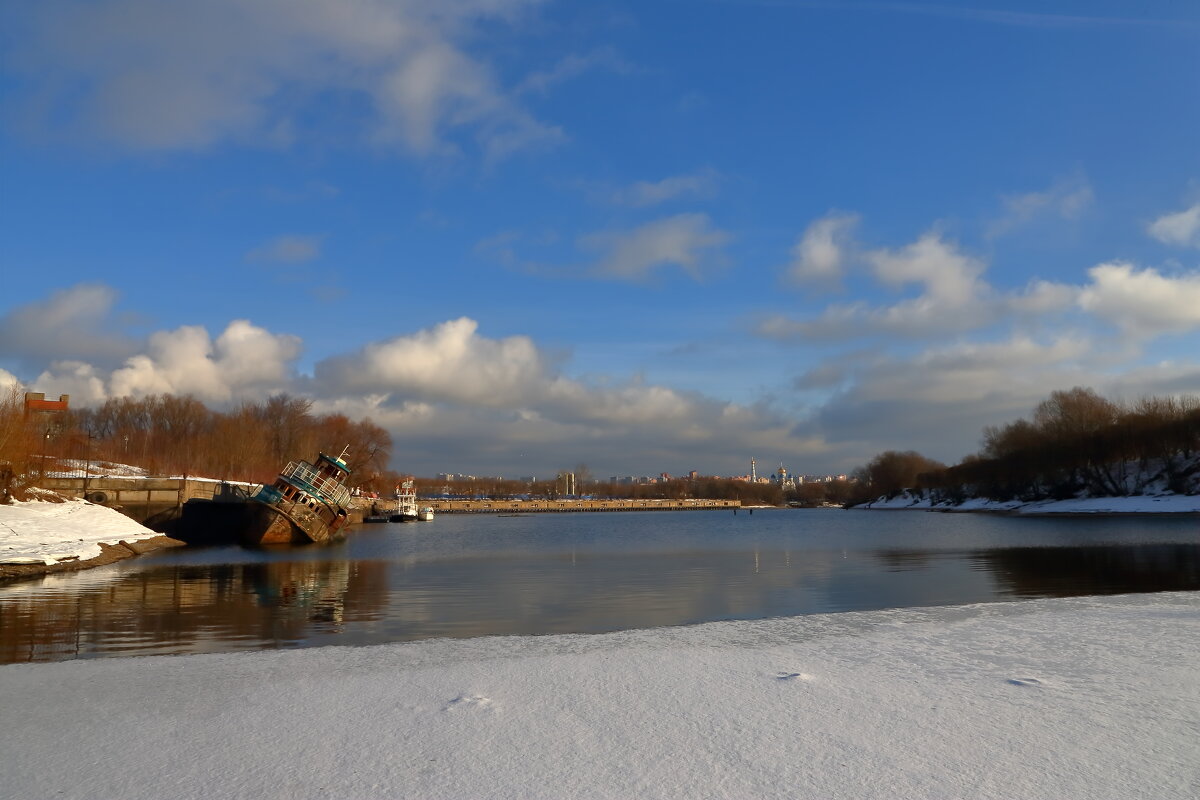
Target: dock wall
[(139, 498)]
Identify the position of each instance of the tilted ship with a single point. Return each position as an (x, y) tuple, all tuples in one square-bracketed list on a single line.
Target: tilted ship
[(307, 503)]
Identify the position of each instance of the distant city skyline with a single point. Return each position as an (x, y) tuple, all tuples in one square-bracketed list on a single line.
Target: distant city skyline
[(521, 235)]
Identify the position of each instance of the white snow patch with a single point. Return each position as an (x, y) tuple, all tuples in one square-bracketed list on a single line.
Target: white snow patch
[(75, 468), (1138, 504), (1080, 698), (45, 533), (1141, 504)]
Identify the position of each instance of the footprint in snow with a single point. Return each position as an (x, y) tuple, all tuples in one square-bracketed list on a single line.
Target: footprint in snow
[(793, 676), (1024, 681), (476, 701)]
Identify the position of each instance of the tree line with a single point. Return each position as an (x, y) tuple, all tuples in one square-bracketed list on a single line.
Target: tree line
[(1075, 441), (169, 434), (708, 488)]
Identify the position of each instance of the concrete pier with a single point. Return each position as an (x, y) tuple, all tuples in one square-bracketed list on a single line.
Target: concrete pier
[(567, 506), (140, 498)]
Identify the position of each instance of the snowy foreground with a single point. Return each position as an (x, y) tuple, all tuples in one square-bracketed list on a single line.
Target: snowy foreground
[(1140, 504), (1080, 698), (46, 533)]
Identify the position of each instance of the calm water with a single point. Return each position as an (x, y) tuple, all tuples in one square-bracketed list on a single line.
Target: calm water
[(560, 573)]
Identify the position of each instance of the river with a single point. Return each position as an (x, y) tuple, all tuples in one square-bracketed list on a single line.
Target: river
[(481, 575)]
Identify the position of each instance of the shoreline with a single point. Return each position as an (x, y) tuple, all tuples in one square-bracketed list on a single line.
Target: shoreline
[(1174, 505), (109, 554), (39, 537)]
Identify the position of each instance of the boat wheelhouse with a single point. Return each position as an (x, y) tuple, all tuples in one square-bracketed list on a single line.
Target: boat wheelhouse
[(306, 503)]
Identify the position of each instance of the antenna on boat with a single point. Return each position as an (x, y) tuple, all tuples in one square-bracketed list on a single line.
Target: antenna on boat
[(345, 450)]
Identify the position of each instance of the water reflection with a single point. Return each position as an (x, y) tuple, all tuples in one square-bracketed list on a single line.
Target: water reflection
[(1114, 569), (185, 609), (480, 577)]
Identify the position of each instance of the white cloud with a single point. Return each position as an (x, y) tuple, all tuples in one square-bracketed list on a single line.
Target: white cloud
[(457, 400), (953, 298), (699, 185), (449, 362), (245, 361), (164, 75), (938, 400), (80, 380), (821, 253), (287, 250), (1143, 302), (71, 324), (8, 380), (948, 276), (1181, 228), (1066, 199), (687, 241), (1042, 297)]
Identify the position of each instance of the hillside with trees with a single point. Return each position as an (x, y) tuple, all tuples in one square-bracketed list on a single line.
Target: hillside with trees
[(1075, 444)]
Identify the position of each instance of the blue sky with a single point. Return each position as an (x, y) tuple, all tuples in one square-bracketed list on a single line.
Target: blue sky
[(643, 236)]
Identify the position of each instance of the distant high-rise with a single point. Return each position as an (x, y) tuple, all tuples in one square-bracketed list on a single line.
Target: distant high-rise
[(753, 470)]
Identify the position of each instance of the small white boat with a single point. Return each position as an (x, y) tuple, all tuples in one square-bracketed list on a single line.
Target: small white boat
[(425, 513), (406, 502)]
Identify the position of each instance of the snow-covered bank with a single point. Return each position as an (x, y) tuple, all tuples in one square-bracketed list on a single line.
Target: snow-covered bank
[(46, 533), (1081, 698), (1140, 504)]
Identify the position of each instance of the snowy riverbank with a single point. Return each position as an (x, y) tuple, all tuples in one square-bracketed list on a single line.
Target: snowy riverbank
[(1140, 504), (1085, 697), (37, 536)]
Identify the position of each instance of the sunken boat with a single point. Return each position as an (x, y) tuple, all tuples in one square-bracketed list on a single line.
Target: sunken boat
[(306, 504)]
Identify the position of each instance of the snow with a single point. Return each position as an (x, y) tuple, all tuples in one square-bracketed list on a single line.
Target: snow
[(76, 468), (40, 532), (1138, 504), (1066, 698)]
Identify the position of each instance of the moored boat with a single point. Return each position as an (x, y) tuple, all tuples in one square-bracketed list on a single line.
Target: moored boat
[(406, 502), (425, 513)]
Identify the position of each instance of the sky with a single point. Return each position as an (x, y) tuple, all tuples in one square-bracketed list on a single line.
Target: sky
[(527, 235)]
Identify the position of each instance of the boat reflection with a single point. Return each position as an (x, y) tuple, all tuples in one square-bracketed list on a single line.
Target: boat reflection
[(185, 609)]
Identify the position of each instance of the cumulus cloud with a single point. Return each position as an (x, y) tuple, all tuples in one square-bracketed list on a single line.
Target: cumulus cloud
[(453, 395), (244, 361), (687, 241), (449, 362), (1181, 228), (1042, 297), (938, 400), (163, 75), (821, 253), (72, 323), (1065, 199), (287, 250), (8, 380), (947, 275), (699, 185), (953, 297), (1143, 302), (82, 381), (452, 363)]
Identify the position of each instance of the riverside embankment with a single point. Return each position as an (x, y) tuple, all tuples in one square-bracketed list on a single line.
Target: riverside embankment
[(568, 506), (37, 538)]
